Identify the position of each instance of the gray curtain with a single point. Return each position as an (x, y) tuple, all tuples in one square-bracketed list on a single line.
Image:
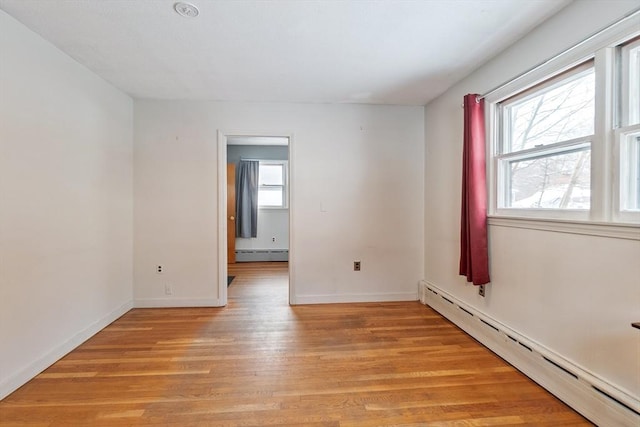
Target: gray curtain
[(247, 199)]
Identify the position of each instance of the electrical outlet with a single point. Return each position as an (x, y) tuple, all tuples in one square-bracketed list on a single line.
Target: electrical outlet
[(159, 269), (481, 290), (356, 265), (273, 239), (168, 290)]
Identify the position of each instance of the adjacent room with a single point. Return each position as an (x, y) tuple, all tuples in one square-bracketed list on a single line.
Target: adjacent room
[(320, 213)]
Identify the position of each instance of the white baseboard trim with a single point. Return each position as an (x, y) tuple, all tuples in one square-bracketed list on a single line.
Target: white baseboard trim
[(17, 380), (599, 401), (354, 298), (176, 302)]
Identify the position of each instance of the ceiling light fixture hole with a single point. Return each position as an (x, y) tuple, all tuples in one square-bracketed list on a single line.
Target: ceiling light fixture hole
[(186, 9)]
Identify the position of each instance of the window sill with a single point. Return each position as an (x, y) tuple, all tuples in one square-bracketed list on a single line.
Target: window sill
[(601, 229), (273, 208)]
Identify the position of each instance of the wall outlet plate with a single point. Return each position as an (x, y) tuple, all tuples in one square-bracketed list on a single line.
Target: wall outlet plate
[(356, 265), (481, 290)]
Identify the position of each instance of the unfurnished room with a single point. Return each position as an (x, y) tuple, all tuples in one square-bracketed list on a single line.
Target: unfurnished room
[(320, 213)]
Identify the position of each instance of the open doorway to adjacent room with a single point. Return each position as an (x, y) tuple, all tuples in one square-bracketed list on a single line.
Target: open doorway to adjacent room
[(254, 216)]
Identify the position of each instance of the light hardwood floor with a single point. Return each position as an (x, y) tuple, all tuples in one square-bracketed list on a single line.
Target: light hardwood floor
[(260, 362)]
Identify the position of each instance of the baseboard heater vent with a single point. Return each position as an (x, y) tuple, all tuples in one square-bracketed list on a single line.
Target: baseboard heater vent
[(255, 255), (579, 388), (529, 348), (616, 400), (489, 324), (466, 311), (566, 371)]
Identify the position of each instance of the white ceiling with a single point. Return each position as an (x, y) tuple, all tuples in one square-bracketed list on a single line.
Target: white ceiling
[(349, 51)]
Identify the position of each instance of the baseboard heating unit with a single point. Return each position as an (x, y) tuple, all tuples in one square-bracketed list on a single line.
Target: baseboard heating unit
[(254, 255), (594, 398)]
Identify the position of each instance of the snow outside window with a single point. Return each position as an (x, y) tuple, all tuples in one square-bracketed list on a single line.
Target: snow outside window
[(544, 159)]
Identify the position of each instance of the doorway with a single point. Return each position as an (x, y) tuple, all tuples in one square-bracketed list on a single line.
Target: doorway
[(272, 241)]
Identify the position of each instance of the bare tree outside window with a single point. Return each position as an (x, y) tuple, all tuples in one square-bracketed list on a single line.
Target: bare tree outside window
[(549, 158), (549, 173)]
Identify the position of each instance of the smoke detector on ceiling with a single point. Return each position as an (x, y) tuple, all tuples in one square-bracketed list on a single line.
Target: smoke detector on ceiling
[(186, 9)]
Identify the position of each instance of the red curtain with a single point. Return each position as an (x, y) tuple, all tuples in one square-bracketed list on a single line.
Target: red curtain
[(474, 252)]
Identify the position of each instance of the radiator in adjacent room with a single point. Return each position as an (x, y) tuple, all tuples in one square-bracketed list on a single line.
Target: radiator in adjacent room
[(254, 255)]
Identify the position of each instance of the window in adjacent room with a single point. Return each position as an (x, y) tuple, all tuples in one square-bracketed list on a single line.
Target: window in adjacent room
[(272, 184)]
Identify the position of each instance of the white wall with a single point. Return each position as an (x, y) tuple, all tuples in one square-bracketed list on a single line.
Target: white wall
[(66, 203), (362, 164), (573, 294), (273, 231)]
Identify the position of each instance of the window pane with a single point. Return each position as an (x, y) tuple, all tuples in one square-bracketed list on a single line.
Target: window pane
[(630, 173), (271, 196), (634, 86), (557, 181), (271, 175), (558, 113)]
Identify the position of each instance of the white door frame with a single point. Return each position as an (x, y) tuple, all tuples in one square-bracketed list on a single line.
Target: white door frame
[(222, 210)]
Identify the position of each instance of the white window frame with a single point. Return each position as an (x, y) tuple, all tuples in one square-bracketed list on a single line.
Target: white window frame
[(285, 185), (502, 159), (622, 134), (627, 84), (621, 152), (605, 144)]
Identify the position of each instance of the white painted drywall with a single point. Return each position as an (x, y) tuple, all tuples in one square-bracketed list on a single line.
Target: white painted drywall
[(66, 157), (574, 294), (273, 231), (358, 195)]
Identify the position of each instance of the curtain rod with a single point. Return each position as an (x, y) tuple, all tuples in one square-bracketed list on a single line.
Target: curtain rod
[(629, 15), (242, 159)]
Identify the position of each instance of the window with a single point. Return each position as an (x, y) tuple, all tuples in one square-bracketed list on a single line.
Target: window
[(628, 135), (565, 137), (630, 87), (544, 156), (272, 184), (630, 172)]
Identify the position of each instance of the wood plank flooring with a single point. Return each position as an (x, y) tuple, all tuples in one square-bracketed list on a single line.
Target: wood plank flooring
[(260, 362)]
